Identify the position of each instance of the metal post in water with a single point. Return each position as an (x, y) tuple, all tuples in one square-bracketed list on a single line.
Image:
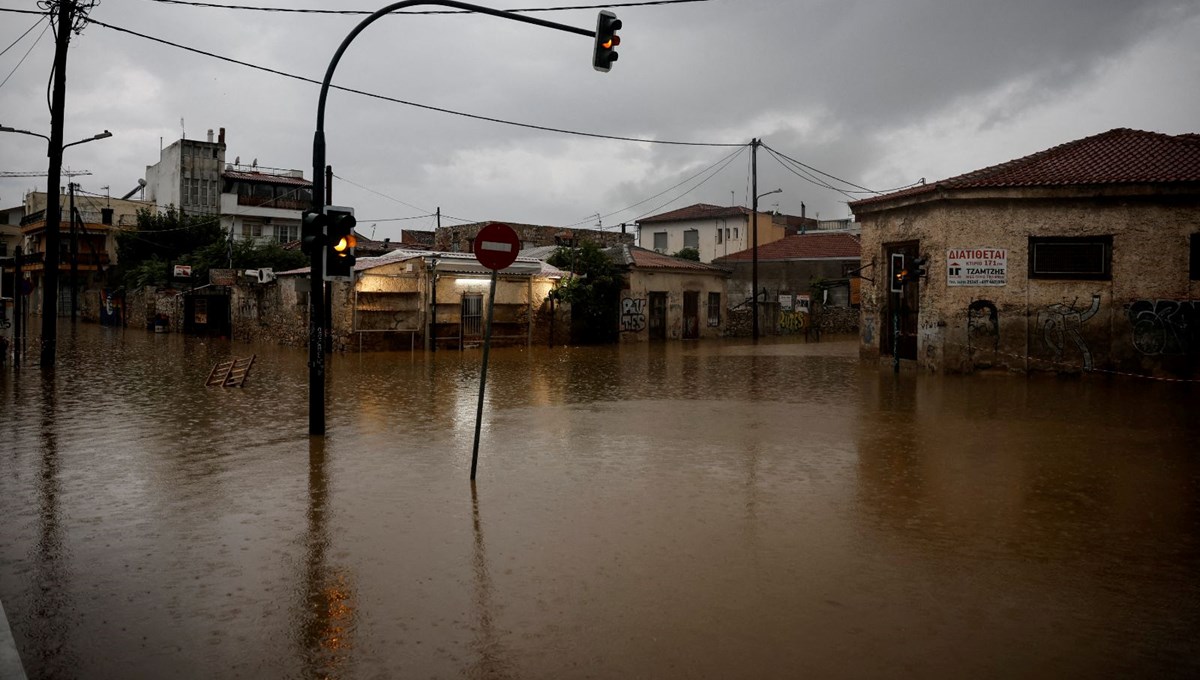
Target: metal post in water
[(487, 345), (895, 340)]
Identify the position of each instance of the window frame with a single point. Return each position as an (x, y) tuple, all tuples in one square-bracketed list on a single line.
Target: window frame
[(694, 234), (1194, 257), (714, 309), (1105, 241), (665, 241)]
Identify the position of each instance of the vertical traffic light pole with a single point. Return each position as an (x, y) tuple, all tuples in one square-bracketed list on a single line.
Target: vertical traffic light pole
[(316, 344)]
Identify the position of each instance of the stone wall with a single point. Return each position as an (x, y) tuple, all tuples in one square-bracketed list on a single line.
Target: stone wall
[(1029, 324)]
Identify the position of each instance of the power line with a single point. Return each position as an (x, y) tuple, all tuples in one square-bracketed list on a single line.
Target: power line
[(292, 10), (35, 42), (804, 175), (809, 167), (714, 174), (24, 11), (14, 43), (671, 188), (380, 193), (427, 107)]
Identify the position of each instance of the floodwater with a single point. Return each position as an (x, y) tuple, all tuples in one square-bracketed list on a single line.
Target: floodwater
[(698, 510)]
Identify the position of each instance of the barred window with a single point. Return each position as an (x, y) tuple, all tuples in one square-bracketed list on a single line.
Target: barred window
[(714, 309)]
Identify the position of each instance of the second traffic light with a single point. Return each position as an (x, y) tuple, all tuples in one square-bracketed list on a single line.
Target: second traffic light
[(607, 25), (339, 243)]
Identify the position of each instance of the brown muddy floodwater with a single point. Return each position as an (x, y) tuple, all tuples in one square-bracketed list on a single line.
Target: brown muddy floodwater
[(711, 510)]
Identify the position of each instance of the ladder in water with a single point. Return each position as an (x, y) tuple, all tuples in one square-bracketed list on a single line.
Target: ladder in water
[(230, 373)]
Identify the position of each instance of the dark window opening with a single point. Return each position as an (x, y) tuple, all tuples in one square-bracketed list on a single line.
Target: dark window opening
[(1058, 257), (714, 308)]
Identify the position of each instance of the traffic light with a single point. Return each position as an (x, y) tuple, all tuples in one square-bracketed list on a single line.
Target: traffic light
[(339, 243), (918, 265), (607, 25), (312, 232), (903, 276)]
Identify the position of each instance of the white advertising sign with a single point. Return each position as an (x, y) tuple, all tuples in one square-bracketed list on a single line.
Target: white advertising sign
[(977, 267), (803, 303)]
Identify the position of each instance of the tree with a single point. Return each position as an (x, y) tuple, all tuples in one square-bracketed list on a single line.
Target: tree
[(692, 254), (162, 239), (593, 289)]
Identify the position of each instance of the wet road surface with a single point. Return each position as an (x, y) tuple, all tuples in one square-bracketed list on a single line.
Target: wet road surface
[(691, 510)]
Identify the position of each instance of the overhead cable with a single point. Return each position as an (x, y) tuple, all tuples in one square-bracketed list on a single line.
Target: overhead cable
[(427, 107), (293, 10)]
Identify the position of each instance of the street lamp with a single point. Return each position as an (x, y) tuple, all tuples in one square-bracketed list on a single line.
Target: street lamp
[(53, 221), (754, 257)]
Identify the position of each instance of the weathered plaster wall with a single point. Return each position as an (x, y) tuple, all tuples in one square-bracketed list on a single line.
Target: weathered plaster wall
[(635, 303), (1135, 322)]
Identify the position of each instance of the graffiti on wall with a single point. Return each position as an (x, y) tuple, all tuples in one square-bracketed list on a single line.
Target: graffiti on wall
[(793, 321), (983, 326), (1165, 326), (868, 332), (1060, 322), (633, 315)]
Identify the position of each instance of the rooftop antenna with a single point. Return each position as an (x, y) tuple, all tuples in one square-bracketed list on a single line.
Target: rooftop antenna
[(182, 130)]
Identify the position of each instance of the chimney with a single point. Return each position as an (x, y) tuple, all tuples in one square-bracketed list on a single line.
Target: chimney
[(210, 135), (221, 136)]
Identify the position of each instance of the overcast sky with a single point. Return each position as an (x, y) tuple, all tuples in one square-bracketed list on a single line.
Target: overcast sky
[(879, 93)]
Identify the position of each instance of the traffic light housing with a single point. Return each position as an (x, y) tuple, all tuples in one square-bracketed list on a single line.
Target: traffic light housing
[(339, 243), (918, 266), (312, 232), (903, 276), (607, 25)]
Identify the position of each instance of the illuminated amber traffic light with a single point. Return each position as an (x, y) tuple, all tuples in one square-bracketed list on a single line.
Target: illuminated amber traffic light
[(607, 25), (340, 240)]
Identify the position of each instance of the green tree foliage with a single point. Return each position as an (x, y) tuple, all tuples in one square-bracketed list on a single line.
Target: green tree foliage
[(594, 291), (688, 254), (163, 239)]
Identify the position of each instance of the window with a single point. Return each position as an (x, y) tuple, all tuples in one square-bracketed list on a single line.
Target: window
[(251, 229), (714, 309), (1195, 257), (1061, 257), (735, 234), (719, 235), (286, 233), (660, 241), (691, 238)]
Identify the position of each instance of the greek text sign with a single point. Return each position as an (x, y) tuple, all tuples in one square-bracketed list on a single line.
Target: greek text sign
[(976, 267)]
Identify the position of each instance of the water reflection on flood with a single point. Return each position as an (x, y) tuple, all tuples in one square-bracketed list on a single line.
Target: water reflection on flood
[(698, 510)]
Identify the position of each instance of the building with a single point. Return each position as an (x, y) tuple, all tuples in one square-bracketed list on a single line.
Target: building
[(461, 238), (90, 248), (263, 204), (1082, 257), (669, 298), (798, 274), (407, 299), (714, 231), (252, 202), (188, 176)]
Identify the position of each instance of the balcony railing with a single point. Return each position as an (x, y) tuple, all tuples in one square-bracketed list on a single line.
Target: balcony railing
[(279, 203)]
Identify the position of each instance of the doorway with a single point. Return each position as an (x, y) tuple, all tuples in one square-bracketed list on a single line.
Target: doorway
[(471, 318), (902, 309), (691, 314), (658, 316)]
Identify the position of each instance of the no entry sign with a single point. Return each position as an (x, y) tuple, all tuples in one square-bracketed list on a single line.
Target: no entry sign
[(496, 246)]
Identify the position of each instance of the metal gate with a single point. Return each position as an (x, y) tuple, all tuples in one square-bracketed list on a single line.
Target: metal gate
[(471, 321), (658, 316)]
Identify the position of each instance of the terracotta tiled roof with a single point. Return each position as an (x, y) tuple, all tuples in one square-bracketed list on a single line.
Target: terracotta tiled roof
[(696, 212), (1119, 156), (265, 178), (633, 256), (834, 245)]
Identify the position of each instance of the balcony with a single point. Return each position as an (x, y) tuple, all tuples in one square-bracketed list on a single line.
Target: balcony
[(277, 203)]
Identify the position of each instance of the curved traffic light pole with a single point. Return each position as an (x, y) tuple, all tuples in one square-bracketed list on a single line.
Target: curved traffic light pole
[(316, 343)]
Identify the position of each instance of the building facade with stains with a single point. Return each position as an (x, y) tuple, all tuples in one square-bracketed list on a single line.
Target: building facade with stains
[(668, 298), (409, 300), (1082, 257)]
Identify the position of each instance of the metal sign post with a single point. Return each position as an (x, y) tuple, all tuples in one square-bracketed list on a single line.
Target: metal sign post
[(496, 247)]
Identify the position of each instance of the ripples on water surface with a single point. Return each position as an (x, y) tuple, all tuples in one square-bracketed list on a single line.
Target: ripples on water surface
[(696, 510)]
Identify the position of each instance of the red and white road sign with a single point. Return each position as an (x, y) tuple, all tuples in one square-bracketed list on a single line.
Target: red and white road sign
[(496, 246)]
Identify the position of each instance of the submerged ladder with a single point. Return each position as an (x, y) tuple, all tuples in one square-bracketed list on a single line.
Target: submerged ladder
[(230, 373)]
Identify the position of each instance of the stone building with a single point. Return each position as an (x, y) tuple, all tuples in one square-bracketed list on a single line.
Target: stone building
[(461, 238), (1082, 257)]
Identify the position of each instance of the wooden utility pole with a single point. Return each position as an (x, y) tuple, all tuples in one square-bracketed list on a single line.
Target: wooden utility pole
[(58, 105), (754, 235)]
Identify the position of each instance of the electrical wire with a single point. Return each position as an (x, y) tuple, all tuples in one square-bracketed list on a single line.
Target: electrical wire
[(213, 5), (647, 200), (14, 43), (808, 167), (805, 176), (530, 126), (714, 174), (380, 193), (22, 61), (25, 11)]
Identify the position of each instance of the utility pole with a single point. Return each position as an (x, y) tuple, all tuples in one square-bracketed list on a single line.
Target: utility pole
[(58, 105), (18, 293), (754, 235), (74, 255)]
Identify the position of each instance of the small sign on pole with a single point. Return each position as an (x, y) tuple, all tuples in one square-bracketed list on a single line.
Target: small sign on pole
[(496, 247)]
